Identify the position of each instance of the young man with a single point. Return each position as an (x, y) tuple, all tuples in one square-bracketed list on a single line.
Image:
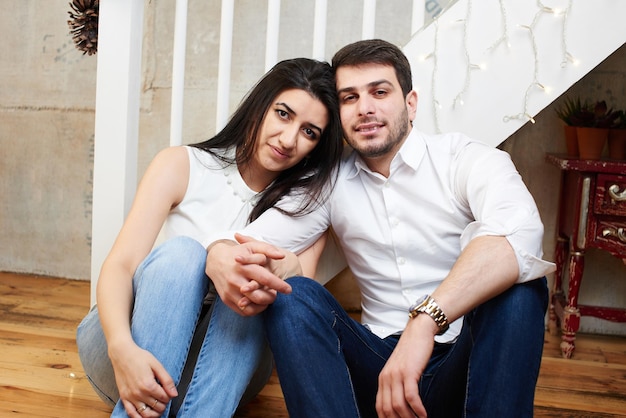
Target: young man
[(444, 241)]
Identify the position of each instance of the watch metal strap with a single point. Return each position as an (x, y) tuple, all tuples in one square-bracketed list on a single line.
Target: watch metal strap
[(432, 309)]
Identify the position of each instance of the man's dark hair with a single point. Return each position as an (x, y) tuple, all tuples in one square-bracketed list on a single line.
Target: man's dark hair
[(376, 51)]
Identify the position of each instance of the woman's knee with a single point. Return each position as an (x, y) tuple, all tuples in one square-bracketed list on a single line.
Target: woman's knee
[(180, 251), (178, 261)]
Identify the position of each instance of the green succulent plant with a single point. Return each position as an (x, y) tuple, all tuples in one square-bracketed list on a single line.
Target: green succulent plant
[(570, 109)]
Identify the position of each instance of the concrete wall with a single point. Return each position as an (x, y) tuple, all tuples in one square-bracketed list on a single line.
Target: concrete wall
[(47, 95), (46, 137)]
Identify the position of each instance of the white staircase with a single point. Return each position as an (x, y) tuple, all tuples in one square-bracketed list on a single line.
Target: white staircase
[(486, 68)]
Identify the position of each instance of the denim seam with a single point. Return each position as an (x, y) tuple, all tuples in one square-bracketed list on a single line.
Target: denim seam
[(469, 367), (433, 375), (369, 347), (102, 395), (335, 320)]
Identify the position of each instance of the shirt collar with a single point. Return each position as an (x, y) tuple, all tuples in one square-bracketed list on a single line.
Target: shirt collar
[(410, 154)]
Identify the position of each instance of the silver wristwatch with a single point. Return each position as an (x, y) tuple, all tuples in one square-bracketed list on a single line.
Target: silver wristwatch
[(427, 305)]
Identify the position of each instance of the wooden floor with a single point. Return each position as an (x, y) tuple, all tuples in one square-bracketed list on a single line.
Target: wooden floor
[(41, 376)]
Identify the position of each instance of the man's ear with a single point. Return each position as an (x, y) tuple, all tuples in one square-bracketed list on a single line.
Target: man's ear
[(411, 104)]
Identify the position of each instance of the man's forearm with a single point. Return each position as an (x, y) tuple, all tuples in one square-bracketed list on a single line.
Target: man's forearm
[(485, 268)]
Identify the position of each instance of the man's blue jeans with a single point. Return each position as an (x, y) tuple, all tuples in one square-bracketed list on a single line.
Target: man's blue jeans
[(328, 364), (169, 287)]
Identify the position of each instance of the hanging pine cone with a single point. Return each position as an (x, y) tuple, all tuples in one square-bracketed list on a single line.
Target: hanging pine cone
[(84, 25)]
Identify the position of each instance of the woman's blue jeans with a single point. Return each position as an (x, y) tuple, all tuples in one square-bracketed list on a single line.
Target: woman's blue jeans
[(328, 364), (169, 287)]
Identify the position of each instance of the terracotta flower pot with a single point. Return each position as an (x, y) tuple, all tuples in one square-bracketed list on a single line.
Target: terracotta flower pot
[(571, 140), (617, 144), (591, 142)]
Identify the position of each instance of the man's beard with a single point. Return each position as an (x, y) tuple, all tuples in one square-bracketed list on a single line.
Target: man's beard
[(398, 131)]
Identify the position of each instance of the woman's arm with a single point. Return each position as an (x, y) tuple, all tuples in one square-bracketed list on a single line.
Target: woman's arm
[(161, 188)]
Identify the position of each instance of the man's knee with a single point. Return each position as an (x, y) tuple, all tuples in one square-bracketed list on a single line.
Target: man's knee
[(302, 282), (301, 286), (532, 295), (301, 305), (522, 307)]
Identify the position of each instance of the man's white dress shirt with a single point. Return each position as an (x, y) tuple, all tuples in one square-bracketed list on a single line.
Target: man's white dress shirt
[(402, 234)]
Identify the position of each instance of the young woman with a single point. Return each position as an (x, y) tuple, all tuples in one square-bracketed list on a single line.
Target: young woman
[(285, 137)]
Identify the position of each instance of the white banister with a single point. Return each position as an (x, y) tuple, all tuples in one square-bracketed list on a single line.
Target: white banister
[(271, 35), (369, 19), (417, 18), (178, 73), (116, 124), (225, 56), (319, 30)]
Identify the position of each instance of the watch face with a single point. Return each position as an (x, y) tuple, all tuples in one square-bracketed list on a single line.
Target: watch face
[(418, 302)]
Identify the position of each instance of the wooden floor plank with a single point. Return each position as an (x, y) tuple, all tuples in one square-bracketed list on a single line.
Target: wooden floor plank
[(41, 375), (580, 400), (23, 402), (590, 376)]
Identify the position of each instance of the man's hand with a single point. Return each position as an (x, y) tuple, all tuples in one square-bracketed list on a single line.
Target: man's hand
[(283, 264), (398, 394), (240, 274), (283, 267)]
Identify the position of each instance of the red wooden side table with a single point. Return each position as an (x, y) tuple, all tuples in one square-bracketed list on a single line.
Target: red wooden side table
[(592, 214)]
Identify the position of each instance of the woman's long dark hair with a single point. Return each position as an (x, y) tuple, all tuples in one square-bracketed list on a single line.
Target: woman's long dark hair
[(314, 174)]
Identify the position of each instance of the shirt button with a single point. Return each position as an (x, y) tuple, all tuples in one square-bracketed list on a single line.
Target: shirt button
[(401, 260)]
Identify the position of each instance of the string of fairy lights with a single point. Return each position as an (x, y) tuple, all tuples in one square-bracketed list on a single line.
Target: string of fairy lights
[(504, 39)]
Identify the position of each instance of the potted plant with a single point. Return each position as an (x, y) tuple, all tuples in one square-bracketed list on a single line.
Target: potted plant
[(596, 115), (568, 113), (593, 122), (617, 137)]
